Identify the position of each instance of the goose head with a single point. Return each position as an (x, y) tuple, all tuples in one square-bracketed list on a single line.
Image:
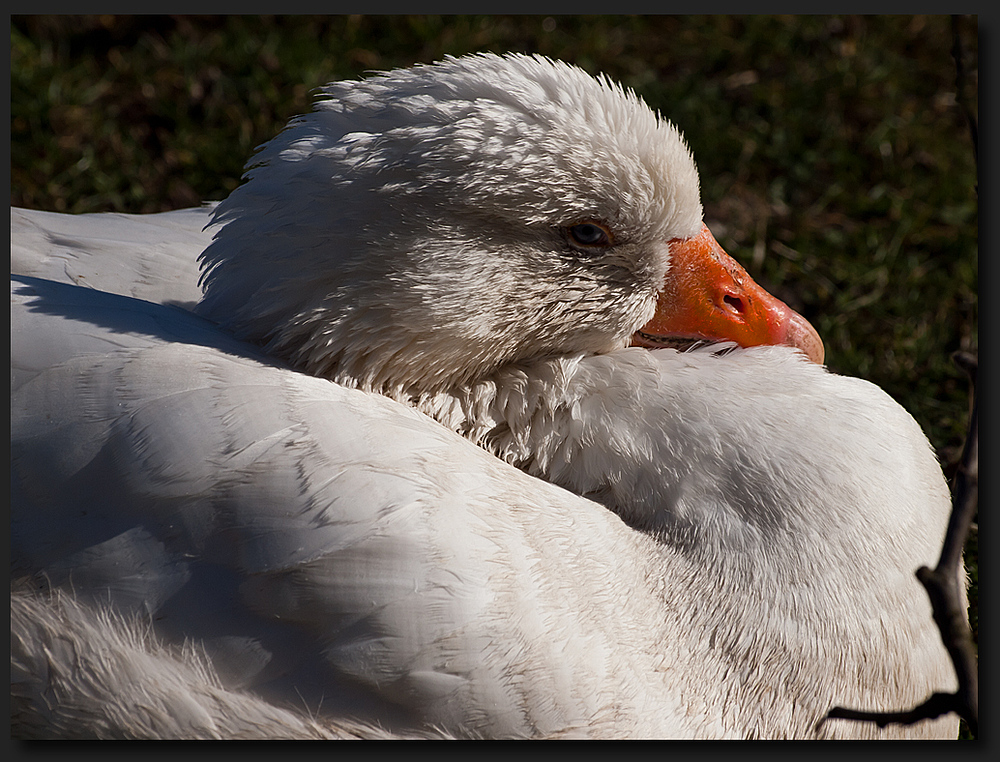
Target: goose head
[(423, 228)]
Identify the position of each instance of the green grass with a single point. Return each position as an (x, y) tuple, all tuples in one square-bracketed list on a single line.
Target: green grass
[(836, 163)]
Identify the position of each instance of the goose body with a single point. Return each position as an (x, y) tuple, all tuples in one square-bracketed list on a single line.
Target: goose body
[(399, 472)]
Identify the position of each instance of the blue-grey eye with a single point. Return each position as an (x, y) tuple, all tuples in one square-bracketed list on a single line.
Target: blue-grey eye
[(590, 234)]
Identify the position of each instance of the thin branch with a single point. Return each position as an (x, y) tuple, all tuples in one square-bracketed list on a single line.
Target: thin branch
[(958, 53), (935, 706), (943, 585), (942, 582)]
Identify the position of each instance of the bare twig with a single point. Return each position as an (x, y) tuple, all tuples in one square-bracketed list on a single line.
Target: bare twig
[(958, 53), (943, 583), (935, 706)]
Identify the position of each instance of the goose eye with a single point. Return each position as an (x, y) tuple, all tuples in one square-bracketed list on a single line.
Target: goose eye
[(590, 234)]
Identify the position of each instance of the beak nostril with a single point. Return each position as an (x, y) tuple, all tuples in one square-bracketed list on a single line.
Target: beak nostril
[(735, 303)]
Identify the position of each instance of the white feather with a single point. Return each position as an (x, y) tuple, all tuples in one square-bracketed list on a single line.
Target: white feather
[(643, 544)]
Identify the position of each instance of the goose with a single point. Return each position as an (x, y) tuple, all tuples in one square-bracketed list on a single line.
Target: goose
[(454, 421)]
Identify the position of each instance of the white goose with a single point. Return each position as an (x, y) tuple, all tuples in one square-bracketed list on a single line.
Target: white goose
[(694, 544)]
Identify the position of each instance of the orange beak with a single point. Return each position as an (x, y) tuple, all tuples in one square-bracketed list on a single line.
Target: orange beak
[(708, 296)]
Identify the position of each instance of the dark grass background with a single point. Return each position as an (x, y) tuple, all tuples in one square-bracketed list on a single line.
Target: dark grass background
[(836, 158)]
